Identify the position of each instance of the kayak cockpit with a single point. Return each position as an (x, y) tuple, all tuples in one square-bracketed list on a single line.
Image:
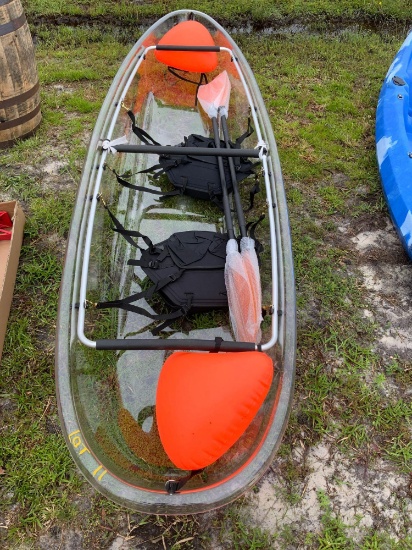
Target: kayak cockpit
[(156, 121)]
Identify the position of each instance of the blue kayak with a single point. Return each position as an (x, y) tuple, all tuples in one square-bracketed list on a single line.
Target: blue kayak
[(394, 142)]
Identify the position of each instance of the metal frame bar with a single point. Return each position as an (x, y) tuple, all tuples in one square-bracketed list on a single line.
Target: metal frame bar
[(260, 151), (176, 344)]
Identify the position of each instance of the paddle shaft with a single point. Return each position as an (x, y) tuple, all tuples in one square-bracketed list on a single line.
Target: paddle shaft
[(238, 202), (184, 151), (225, 197)]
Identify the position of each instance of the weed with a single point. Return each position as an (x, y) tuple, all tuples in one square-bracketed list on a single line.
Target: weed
[(400, 451), (242, 535), (333, 534)]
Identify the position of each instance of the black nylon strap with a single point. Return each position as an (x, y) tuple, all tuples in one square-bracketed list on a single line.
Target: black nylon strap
[(140, 311), (255, 189), (129, 185), (159, 169), (157, 330), (143, 263), (126, 233), (174, 72), (148, 293), (139, 132), (218, 343), (183, 311), (203, 78), (214, 197), (249, 132), (251, 228)]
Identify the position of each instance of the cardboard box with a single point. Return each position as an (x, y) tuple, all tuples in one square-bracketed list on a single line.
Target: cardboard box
[(9, 259)]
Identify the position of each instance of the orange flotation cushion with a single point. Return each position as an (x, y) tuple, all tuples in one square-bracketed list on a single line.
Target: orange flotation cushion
[(205, 402), (188, 33)]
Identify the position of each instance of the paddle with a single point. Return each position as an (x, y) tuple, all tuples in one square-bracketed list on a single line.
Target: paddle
[(245, 309), (247, 248)]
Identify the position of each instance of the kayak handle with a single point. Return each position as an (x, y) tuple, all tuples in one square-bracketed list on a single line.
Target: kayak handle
[(176, 48)]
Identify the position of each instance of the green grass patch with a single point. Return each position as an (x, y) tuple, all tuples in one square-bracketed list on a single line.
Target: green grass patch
[(38, 475), (249, 11)]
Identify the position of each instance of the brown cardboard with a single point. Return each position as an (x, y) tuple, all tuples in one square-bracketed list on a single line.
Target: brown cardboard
[(9, 259)]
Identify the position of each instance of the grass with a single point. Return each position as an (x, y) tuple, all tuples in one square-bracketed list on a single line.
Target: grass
[(248, 12), (321, 93)]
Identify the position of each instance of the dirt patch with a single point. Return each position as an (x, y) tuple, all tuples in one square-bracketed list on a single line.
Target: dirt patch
[(387, 278), (364, 498)]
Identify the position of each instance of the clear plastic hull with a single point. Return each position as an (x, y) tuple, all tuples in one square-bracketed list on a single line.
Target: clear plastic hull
[(107, 398)]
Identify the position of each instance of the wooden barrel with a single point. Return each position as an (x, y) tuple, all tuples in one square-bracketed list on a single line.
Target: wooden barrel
[(19, 83)]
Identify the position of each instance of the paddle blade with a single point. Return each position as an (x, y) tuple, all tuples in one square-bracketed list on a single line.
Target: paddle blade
[(251, 264), (239, 294), (215, 95), (205, 402)]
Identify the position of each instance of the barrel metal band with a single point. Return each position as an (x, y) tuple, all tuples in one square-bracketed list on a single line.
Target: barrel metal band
[(17, 99), (21, 120), (13, 25)]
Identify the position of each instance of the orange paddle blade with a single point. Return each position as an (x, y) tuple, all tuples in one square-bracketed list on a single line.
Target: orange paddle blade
[(250, 262), (215, 95), (205, 402), (239, 294), (188, 33)]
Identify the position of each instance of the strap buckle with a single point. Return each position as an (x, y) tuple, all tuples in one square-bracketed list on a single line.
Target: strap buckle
[(174, 276)]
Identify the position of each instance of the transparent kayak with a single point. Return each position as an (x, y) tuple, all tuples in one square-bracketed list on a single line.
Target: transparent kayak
[(108, 361)]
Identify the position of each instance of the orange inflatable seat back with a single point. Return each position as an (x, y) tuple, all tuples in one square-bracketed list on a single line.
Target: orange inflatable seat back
[(188, 33), (205, 402)]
